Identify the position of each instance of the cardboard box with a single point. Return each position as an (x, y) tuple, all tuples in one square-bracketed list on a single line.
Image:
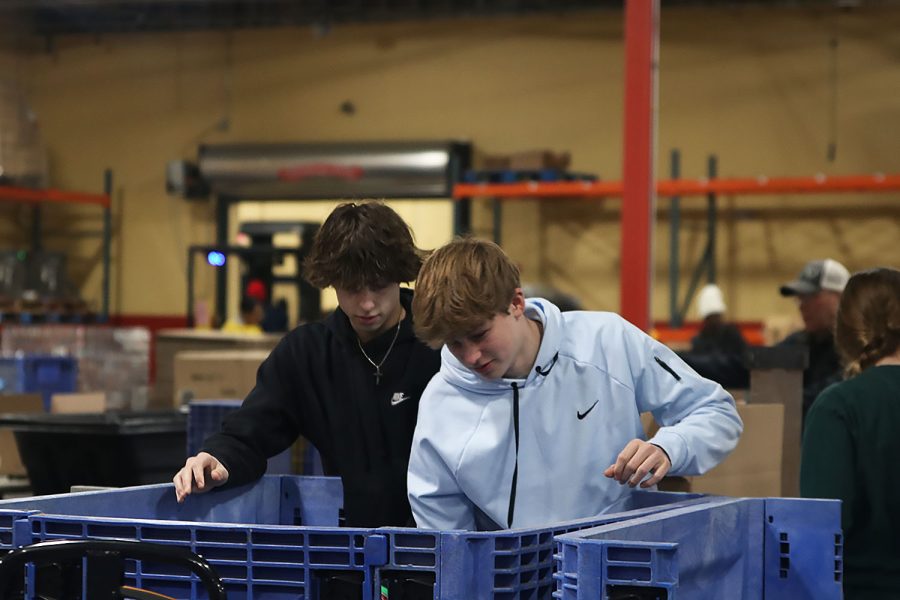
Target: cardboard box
[(170, 342), (754, 467), (529, 160), (89, 402), (495, 162), (215, 374), (535, 160), (10, 463)]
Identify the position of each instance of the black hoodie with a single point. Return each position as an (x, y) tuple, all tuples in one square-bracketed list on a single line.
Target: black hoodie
[(317, 383)]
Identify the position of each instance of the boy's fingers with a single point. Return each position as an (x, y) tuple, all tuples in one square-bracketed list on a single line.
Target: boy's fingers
[(219, 474), (639, 473), (182, 484), (192, 477), (660, 469), (657, 476), (198, 469), (636, 461), (639, 454), (624, 457)]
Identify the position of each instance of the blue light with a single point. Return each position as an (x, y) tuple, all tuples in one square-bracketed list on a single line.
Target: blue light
[(216, 259)]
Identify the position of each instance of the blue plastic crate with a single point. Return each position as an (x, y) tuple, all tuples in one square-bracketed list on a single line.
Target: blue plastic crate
[(515, 564), (205, 418), (775, 548), (273, 500), (277, 539), (8, 519), (46, 375)]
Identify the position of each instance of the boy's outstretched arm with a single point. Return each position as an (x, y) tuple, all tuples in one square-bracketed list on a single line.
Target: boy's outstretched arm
[(699, 422)]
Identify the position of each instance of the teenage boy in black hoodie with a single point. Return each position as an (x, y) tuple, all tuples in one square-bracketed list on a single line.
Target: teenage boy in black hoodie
[(350, 384)]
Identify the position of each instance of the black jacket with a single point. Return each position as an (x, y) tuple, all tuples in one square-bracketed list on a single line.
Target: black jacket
[(730, 370), (720, 338), (316, 383)]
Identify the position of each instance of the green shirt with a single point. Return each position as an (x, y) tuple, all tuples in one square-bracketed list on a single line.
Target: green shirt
[(851, 451)]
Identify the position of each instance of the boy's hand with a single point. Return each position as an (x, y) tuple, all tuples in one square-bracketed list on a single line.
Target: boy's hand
[(636, 461), (199, 474)]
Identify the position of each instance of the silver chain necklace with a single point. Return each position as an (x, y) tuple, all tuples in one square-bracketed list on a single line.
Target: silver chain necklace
[(383, 358)]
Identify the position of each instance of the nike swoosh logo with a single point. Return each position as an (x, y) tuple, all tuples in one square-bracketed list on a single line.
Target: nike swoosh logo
[(582, 415), (398, 398)]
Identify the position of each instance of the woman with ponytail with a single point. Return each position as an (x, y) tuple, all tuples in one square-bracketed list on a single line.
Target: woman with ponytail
[(851, 443)]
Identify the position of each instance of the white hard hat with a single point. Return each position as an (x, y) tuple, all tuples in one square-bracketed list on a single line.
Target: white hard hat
[(710, 301)]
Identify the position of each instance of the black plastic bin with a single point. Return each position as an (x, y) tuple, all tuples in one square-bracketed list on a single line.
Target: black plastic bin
[(114, 449)]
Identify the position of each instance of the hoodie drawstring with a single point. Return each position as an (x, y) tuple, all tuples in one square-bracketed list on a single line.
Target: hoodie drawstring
[(512, 491)]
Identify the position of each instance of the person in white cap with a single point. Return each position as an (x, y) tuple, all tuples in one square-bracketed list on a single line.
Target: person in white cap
[(818, 290), (718, 350), (715, 335)]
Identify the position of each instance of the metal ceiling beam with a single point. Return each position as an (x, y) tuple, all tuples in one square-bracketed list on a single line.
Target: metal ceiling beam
[(122, 16)]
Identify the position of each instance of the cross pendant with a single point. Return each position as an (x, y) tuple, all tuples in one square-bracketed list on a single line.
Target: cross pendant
[(377, 375)]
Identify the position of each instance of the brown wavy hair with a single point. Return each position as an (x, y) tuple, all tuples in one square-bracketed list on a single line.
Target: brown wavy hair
[(462, 285), (868, 319), (362, 244)]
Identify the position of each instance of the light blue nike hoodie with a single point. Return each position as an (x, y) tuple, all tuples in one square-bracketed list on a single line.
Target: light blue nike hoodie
[(577, 409)]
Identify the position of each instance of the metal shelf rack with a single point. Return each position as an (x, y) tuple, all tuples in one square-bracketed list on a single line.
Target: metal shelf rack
[(39, 197)]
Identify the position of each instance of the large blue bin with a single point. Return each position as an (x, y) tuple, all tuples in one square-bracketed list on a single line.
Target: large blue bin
[(278, 539), (741, 549)]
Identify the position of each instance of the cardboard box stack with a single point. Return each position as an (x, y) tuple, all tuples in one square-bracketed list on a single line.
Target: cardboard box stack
[(215, 374), (169, 342)]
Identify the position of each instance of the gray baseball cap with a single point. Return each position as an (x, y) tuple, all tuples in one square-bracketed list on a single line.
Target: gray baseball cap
[(818, 275)]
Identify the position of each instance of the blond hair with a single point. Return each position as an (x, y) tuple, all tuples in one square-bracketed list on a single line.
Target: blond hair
[(460, 286), (868, 319)]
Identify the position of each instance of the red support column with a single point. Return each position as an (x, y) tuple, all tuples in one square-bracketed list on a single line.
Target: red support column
[(639, 195)]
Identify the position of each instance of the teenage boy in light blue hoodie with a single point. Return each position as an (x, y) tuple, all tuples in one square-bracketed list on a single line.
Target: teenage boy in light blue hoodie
[(534, 417)]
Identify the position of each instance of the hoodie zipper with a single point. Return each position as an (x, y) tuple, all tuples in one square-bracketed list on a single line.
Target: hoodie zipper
[(512, 491)]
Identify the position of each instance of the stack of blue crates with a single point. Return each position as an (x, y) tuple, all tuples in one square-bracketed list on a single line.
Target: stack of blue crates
[(46, 375), (277, 539)]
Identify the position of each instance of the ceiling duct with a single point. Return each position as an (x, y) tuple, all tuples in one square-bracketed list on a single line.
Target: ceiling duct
[(333, 170)]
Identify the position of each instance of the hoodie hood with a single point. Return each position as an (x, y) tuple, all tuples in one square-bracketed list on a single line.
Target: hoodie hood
[(536, 309)]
